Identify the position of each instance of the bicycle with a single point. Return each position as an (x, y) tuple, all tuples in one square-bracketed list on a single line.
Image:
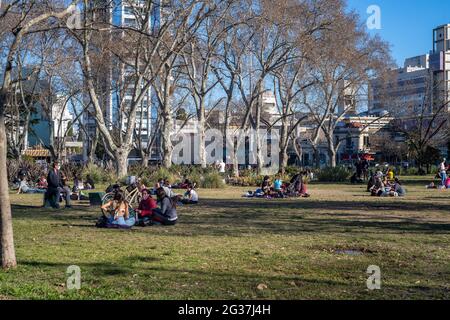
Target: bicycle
[(132, 195)]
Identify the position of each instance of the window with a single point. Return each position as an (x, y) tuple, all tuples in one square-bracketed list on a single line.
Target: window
[(128, 10), (130, 23)]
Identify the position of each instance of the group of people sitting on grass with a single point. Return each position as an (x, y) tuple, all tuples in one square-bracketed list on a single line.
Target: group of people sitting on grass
[(118, 213), (55, 187), (79, 184), (296, 187), (24, 187), (381, 185)]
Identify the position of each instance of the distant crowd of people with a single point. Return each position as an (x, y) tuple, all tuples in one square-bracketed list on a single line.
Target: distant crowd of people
[(381, 185), (296, 187)]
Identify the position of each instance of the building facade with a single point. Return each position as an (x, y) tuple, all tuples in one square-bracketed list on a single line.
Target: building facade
[(418, 90)]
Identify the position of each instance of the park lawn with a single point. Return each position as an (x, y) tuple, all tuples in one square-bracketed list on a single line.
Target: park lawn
[(227, 246)]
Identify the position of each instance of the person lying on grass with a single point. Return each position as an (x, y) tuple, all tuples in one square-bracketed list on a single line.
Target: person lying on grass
[(117, 211), (191, 196), (25, 188), (167, 213)]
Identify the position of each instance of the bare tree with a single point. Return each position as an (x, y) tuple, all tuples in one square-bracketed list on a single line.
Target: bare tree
[(144, 54), (199, 59), (346, 59)]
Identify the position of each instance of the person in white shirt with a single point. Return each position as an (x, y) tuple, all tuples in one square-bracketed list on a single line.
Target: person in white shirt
[(191, 196), (221, 166)]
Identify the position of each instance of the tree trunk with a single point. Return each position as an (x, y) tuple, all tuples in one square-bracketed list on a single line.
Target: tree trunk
[(316, 156), (201, 140), (235, 158), (283, 159), (298, 150), (259, 158), (7, 252), (283, 146), (92, 148), (145, 157), (121, 158), (331, 153), (235, 166), (167, 147)]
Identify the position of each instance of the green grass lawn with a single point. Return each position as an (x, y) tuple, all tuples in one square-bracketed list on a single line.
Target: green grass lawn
[(227, 246)]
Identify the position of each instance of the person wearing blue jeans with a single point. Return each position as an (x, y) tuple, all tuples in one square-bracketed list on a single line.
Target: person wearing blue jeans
[(443, 173), (24, 188), (120, 211)]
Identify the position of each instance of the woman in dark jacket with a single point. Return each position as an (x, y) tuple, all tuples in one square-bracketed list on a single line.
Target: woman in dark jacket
[(167, 215)]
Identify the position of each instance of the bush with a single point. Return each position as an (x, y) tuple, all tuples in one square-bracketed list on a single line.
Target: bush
[(34, 170), (159, 173), (212, 180), (337, 174), (98, 174), (71, 170)]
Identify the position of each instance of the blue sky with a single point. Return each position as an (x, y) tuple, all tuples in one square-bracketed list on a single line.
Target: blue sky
[(406, 24)]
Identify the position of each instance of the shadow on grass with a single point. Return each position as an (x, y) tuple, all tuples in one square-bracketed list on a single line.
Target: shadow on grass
[(122, 266)]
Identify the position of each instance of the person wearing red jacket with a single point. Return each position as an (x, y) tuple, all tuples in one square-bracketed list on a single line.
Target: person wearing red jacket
[(146, 205)]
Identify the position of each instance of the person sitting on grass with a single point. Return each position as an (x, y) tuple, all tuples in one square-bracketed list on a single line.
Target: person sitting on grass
[(140, 185), (191, 196), (77, 184), (378, 189), (25, 188), (390, 174), (398, 189), (52, 195), (265, 186), (167, 183), (42, 183), (65, 190), (303, 191), (371, 182), (431, 186), (89, 183), (167, 213), (146, 206), (118, 211), (278, 185)]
